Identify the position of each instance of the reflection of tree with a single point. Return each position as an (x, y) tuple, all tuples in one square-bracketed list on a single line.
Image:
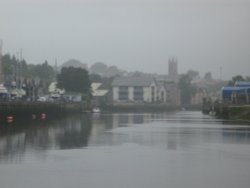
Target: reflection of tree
[(69, 132), (186, 89), (76, 133), (37, 138), (12, 148)]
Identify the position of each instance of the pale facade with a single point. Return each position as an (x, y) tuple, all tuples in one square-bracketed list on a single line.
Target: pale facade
[(168, 93), (197, 98), (134, 90)]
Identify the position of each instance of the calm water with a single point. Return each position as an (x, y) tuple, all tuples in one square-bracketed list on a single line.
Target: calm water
[(184, 149)]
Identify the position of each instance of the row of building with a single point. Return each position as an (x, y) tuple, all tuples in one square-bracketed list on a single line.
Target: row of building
[(144, 89)]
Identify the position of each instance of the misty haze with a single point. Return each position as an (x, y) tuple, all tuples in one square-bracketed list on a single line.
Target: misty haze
[(133, 35), (125, 93)]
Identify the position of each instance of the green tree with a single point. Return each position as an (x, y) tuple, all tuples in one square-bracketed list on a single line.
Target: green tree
[(95, 78), (193, 74), (98, 68), (208, 76), (247, 78), (74, 80), (235, 79), (7, 64), (43, 71), (186, 89)]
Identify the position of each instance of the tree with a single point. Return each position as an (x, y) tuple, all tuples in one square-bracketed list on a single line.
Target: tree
[(74, 80), (43, 71), (208, 76), (186, 89), (98, 68), (193, 74), (95, 78), (235, 79), (7, 64), (247, 78)]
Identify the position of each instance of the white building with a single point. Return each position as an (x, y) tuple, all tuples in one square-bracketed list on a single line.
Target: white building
[(198, 96), (168, 93), (99, 95), (134, 89)]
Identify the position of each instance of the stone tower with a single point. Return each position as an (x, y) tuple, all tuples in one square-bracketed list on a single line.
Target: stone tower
[(173, 69)]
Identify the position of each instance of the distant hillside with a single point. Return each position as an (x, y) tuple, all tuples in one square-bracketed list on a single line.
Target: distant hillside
[(104, 70), (75, 63)]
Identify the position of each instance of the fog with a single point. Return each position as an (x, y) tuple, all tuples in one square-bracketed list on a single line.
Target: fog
[(132, 34)]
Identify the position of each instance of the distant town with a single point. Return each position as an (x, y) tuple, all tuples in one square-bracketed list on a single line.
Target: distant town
[(100, 85)]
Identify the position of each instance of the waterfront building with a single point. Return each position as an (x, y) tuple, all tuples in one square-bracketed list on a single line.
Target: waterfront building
[(198, 96), (168, 93), (242, 84), (99, 95), (172, 94), (237, 94), (134, 89)]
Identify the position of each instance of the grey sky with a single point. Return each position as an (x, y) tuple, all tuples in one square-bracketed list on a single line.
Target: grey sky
[(132, 34)]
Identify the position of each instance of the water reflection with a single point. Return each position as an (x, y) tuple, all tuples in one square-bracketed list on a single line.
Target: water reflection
[(38, 136), (170, 131)]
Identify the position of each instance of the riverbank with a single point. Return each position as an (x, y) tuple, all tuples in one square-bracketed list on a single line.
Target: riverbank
[(140, 108), (239, 112), (233, 112), (33, 110)]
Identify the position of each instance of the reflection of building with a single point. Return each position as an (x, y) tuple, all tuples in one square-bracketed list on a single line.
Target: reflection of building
[(134, 89)]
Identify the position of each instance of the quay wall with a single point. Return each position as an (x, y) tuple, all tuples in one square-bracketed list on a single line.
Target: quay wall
[(28, 108)]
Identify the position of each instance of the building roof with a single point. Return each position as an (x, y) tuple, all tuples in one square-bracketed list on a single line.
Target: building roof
[(227, 91), (96, 92), (99, 93), (133, 81), (95, 86), (242, 84)]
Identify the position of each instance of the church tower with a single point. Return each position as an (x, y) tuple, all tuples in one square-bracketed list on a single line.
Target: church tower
[(173, 69)]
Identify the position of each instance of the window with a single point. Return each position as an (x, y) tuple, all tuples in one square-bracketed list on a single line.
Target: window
[(138, 93), (123, 93)]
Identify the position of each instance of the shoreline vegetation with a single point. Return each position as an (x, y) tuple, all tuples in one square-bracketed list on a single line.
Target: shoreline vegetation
[(233, 112)]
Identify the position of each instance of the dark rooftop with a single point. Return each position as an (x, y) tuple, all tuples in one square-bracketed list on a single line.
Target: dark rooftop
[(133, 81)]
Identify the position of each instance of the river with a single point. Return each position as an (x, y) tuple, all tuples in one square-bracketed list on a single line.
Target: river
[(175, 150)]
